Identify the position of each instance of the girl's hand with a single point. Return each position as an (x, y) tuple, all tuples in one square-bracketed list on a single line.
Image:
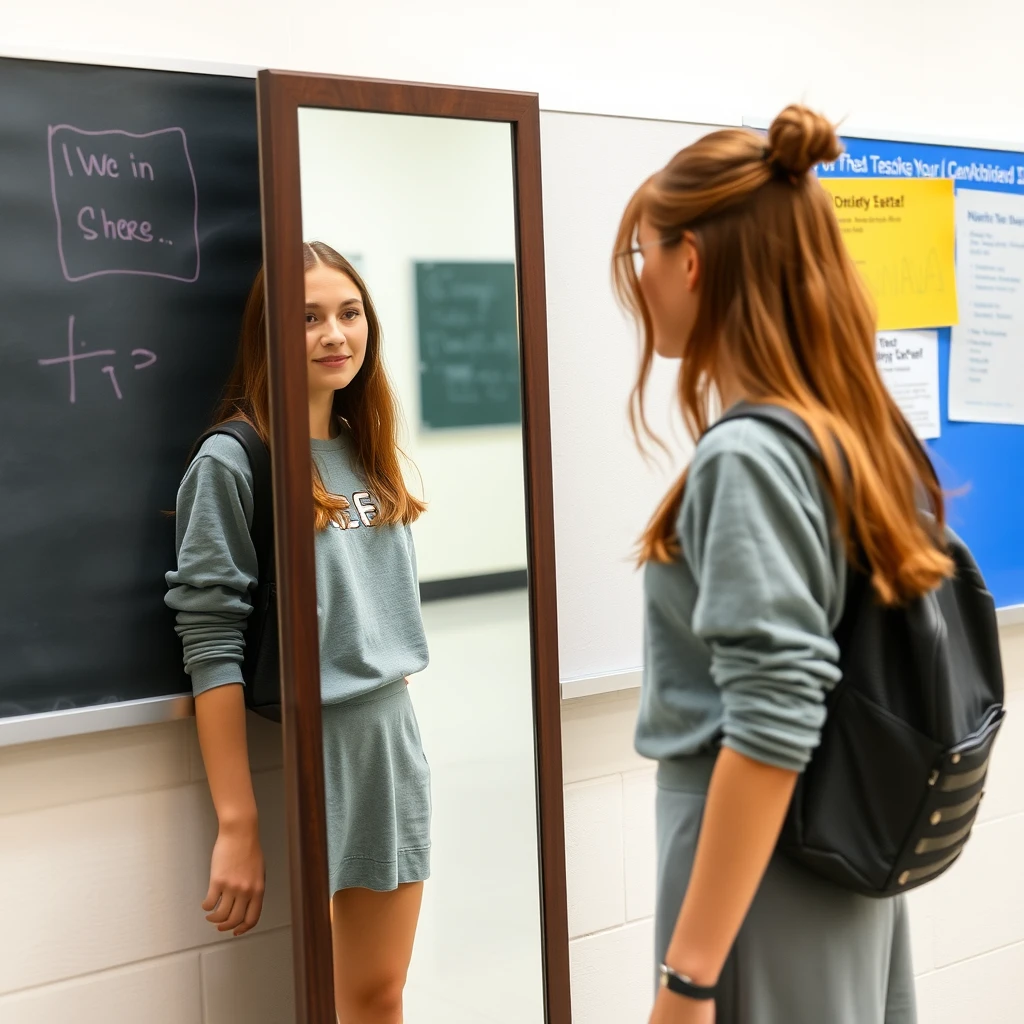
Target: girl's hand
[(237, 880), (670, 1008)]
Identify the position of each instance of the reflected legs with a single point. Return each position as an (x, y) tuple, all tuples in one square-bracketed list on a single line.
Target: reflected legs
[(373, 936)]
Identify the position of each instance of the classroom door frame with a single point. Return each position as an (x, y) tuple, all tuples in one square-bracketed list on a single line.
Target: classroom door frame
[(280, 95)]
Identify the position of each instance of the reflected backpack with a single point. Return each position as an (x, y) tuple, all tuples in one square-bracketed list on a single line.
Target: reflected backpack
[(891, 794), (260, 667)]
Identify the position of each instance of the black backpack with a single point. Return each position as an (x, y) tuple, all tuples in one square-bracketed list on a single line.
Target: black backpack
[(261, 667), (890, 796)]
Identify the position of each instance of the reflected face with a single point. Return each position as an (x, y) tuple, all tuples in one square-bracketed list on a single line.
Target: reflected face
[(336, 329), (670, 283)]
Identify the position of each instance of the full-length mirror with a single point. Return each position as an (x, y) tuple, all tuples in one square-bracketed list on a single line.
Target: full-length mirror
[(440, 788), (423, 211)]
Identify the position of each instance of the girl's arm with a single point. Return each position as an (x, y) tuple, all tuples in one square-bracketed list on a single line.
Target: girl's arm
[(209, 590), (746, 805), (237, 870)]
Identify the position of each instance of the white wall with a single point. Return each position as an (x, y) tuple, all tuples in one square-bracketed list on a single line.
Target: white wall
[(105, 847), (604, 492), (398, 190), (933, 68)]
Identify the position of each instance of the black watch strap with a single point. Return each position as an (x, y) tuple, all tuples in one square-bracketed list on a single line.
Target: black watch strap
[(684, 986)]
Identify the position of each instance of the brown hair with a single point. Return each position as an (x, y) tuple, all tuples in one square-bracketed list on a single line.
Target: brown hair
[(367, 406), (782, 303)]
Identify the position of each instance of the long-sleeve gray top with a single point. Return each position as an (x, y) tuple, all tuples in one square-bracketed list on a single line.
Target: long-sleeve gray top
[(738, 631), (371, 631)]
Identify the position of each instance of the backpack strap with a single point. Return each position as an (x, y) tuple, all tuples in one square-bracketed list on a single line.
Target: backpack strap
[(785, 419), (794, 425), (262, 529)]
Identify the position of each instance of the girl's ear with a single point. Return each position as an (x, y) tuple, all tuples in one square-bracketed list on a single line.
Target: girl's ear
[(691, 263)]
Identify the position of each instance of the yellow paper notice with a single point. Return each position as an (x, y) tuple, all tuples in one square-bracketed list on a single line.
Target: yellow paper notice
[(899, 232)]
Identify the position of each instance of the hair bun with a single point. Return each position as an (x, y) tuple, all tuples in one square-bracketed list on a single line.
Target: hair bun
[(800, 139)]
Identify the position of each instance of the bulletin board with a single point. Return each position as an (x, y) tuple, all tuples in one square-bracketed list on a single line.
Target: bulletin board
[(980, 464)]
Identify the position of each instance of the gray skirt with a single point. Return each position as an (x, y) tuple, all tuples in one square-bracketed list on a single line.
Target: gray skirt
[(809, 952), (377, 784)]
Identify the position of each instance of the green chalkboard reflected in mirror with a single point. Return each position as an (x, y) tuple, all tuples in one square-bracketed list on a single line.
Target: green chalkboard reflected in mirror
[(468, 336)]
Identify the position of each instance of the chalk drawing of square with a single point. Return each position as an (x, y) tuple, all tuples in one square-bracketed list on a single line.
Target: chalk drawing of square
[(186, 268)]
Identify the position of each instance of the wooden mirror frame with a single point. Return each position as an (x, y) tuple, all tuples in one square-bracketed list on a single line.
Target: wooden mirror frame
[(280, 95)]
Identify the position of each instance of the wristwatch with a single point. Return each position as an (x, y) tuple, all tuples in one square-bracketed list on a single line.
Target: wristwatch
[(684, 986)]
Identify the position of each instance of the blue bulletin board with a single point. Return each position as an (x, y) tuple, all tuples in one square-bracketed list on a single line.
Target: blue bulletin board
[(981, 465)]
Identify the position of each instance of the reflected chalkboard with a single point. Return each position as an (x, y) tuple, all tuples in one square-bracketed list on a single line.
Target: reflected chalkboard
[(130, 213), (468, 344)]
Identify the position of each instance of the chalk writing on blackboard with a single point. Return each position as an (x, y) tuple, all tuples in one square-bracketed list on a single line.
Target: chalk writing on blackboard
[(125, 203), (142, 357)]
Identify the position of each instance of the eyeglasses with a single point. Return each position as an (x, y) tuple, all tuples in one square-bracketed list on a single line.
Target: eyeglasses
[(636, 252)]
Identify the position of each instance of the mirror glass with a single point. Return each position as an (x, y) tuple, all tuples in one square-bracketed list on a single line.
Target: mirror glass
[(424, 211)]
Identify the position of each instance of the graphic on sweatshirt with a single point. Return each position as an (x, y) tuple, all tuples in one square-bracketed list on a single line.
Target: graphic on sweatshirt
[(361, 511)]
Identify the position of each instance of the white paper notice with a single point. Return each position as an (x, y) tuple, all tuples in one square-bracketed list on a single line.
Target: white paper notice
[(986, 362), (909, 364)]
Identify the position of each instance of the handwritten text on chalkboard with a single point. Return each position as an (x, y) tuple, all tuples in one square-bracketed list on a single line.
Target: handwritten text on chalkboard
[(142, 358), (125, 203)]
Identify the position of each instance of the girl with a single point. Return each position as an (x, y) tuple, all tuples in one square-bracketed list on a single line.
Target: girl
[(735, 265), (371, 638)]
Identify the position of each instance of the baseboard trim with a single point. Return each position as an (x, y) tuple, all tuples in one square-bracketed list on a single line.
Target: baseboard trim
[(473, 586), (593, 686)]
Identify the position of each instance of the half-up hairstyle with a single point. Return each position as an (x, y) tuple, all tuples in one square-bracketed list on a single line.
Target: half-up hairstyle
[(367, 406), (783, 305)]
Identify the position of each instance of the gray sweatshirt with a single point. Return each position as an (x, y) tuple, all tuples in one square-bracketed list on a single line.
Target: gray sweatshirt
[(371, 632), (738, 632)]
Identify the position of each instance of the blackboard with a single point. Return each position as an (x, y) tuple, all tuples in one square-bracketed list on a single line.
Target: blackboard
[(467, 326), (129, 237)]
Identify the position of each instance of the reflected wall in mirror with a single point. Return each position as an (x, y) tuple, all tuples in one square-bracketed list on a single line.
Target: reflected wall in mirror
[(438, 797), (424, 208)]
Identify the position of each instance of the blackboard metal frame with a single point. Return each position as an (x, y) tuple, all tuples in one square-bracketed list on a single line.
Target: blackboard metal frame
[(280, 95), (129, 714), (141, 62)]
